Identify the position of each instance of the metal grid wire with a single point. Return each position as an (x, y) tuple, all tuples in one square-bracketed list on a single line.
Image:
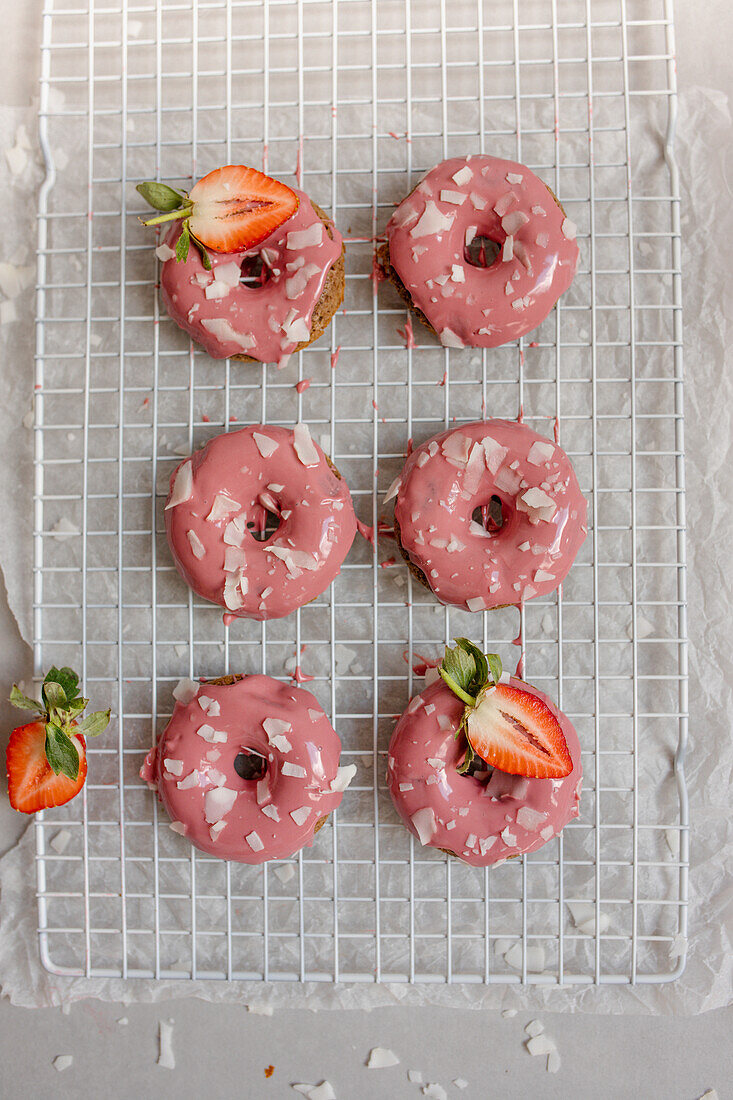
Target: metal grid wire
[(362, 97)]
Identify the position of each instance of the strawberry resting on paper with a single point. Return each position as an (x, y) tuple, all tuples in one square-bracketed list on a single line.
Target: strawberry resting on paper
[(46, 758)]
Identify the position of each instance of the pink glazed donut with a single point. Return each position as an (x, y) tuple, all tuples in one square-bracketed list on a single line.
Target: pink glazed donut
[(431, 233), (217, 730), (224, 492), (465, 563), (303, 261), (480, 818)]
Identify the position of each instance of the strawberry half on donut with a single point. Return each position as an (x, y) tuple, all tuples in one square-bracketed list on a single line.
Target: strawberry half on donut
[(232, 209)]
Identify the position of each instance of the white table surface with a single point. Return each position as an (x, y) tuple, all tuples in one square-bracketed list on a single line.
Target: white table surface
[(221, 1050)]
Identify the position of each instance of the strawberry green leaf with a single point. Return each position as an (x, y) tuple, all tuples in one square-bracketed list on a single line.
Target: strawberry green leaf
[(61, 751), (183, 244), (94, 723), (205, 260), (494, 663), (465, 767), (160, 196), (24, 702), (67, 678), (54, 695), (75, 706)]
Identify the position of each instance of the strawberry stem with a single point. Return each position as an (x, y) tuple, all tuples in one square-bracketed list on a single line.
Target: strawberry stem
[(469, 700), (173, 216)]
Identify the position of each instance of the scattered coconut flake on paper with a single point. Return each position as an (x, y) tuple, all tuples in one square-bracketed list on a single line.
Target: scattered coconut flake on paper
[(324, 1091), (64, 529), (60, 841), (414, 1076), (62, 1062), (435, 1091), (260, 1010), (166, 1058), (382, 1058)]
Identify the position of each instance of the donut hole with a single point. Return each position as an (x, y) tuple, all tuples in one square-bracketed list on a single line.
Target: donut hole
[(250, 765), (253, 272), (482, 251), (490, 516), (264, 526)]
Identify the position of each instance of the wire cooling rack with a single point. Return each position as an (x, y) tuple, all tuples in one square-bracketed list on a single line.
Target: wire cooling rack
[(361, 98)]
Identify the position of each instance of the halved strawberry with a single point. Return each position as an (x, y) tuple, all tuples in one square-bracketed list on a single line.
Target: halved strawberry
[(32, 783), (232, 209), (47, 758), (236, 208), (516, 732)]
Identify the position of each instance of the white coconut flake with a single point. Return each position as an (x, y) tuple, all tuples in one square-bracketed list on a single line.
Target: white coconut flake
[(457, 198), (432, 221), (477, 201), (569, 229), (393, 489), (178, 827), (232, 594), (507, 252), (462, 176), (449, 339), (301, 815), (164, 252), (535, 957), (295, 328), (218, 803), (407, 786), (265, 445), (414, 1076), (209, 706), (460, 1082), (540, 1045), (534, 1027), (458, 273), (222, 507), (382, 1058), (324, 1091), (222, 330), (197, 547), (541, 452), (344, 775), (311, 237), (304, 446), (424, 822), (62, 1062), (514, 177), (435, 1091), (512, 223), (166, 1058), (60, 841), (553, 1062), (212, 736), (190, 781), (254, 841), (530, 819), (539, 211), (216, 828), (175, 767), (185, 691), (182, 486), (271, 812), (476, 603), (285, 873), (294, 770)]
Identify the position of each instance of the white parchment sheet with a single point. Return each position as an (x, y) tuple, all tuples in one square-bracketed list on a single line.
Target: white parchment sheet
[(705, 136)]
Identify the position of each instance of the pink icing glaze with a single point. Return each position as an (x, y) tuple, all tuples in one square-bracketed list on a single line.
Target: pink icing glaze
[(482, 306), (186, 767), (269, 321), (423, 757), (449, 476), (220, 558)]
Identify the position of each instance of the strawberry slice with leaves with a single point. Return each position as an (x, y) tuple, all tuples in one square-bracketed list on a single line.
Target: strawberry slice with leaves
[(507, 727), (46, 758), (232, 209)]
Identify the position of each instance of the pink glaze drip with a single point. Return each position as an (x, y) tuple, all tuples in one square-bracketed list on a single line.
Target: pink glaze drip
[(482, 810), (316, 520), (267, 324), (407, 334), (449, 476), (468, 304), (335, 357), (303, 385), (244, 706), (366, 532)]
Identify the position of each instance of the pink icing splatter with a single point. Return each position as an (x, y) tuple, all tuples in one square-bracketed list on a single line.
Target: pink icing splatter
[(303, 385)]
